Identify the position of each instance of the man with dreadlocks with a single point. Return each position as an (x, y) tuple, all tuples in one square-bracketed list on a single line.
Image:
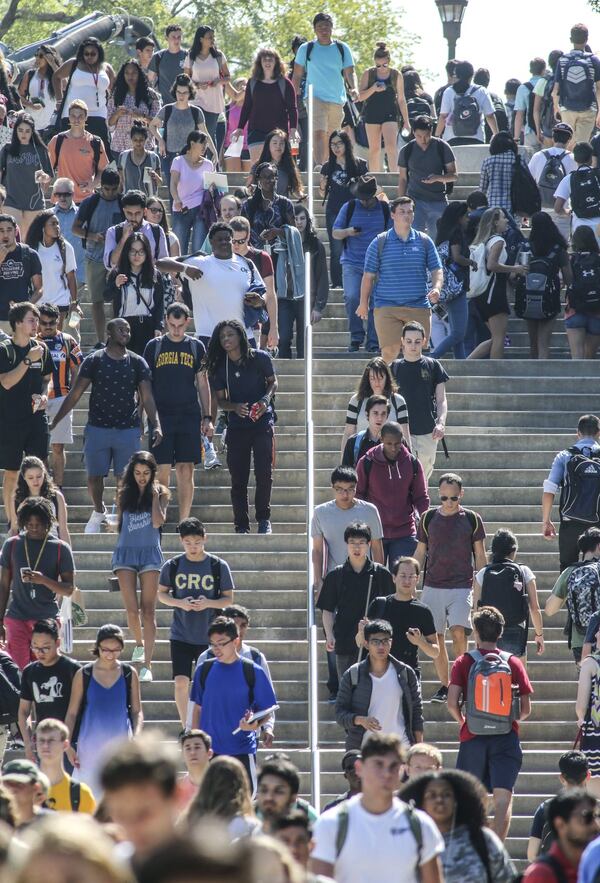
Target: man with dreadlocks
[(244, 382)]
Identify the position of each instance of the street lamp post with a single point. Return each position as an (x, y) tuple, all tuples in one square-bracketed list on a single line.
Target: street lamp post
[(451, 13)]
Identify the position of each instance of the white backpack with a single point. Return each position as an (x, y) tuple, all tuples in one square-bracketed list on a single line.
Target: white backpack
[(479, 278)]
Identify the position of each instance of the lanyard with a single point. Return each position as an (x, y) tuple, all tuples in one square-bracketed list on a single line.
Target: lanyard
[(41, 552)]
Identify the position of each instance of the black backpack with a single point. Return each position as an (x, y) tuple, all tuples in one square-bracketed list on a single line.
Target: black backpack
[(577, 83), (524, 194), (580, 495), (10, 690), (547, 118), (585, 192), (466, 114), (417, 107), (215, 565), (249, 675), (548, 836), (537, 295), (584, 292), (503, 587), (499, 113), (529, 121), (551, 176)]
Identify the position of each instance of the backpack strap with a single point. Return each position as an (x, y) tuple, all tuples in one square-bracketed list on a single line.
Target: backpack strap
[(215, 569), (415, 828), (311, 46), (342, 828), (60, 140), (247, 668), (174, 562), (357, 443), (74, 795), (256, 657)]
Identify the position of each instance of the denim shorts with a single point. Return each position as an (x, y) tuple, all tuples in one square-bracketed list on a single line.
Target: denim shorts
[(494, 760), (582, 320), (514, 640), (103, 447)]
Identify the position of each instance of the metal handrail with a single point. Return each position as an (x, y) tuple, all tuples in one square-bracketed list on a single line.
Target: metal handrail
[(312, 634)]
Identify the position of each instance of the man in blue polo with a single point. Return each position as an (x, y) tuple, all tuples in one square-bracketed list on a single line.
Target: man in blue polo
[(396, 275)]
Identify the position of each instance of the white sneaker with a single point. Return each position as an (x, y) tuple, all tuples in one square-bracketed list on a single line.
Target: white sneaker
[(95, 522), (211, 459), (145, 674)]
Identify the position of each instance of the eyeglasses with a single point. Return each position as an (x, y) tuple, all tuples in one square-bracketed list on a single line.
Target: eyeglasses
[(239, 241), (110, 650), (221, 645), (344, 490), (138, 252), (156, 209), (47, 324), (588, 816), (380, 642), (337, 144), (41, 649), (444, 498)]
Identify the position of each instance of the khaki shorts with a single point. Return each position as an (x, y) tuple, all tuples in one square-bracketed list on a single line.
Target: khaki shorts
[(95, 278), (327, 115), (389, 322), (63, 434), (449, 607)]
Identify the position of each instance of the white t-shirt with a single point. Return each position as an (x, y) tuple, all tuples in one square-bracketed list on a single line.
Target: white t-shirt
[(538, 161), (377, 847), (528, 574), (386, 705), (54, 285), (219, 293), (482, 98), (563, 191)]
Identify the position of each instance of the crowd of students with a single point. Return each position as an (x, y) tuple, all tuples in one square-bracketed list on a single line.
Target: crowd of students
[(234, 264)]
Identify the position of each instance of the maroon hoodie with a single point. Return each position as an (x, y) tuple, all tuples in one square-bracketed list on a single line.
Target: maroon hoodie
[(396, 488)]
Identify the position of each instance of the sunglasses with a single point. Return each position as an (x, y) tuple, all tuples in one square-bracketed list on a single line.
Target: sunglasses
[(47, 324), (444, 498), (588, 816), (239, 241), (61, 195)]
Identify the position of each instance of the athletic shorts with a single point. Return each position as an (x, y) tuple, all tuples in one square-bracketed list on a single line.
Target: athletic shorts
[(449, 607), (95, 277), (590, 324), (182, 441), (103, 447), (514, 640), (184, 657), (63, 434), (31, 436), (494, 760)]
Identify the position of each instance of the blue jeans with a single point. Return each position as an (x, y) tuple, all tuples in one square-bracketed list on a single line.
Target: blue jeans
[(458, 314), (393, 549), (427, 214), (186, 223), (352, 277), (336, 246), (290, 312)]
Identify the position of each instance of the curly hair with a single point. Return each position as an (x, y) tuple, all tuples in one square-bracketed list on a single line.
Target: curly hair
[(47, 490), (215, 354), (90, 41), (130, 499), (470, 805), (286, 163), (35, 238), (142, 88), (382, 369)]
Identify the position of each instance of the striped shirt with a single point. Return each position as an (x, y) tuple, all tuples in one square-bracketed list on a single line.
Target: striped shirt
[(402, 272), (66, 355), (356, 414)]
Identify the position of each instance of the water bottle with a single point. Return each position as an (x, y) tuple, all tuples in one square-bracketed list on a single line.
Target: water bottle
[(74, 319), (525, 255)]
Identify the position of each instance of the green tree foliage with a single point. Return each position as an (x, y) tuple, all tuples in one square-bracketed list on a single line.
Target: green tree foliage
[(241, 25)]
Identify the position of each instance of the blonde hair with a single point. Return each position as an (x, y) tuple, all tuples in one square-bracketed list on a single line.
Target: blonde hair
[(78, 103), (224, 792), (52, 725), (71, 836), (487, 224), (424, 749)]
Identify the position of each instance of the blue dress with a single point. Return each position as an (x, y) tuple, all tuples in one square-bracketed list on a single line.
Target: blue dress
[(138, 545), (105, 720)]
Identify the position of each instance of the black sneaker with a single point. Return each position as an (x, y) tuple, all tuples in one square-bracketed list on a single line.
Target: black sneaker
[(242, 530), (264, 526), (354, 346), (332, 698), (440, 696)]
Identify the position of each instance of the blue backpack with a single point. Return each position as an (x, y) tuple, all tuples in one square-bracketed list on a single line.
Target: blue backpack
[(577, 89)]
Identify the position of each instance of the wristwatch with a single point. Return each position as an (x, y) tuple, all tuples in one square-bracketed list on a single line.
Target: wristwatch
[(27, 361)]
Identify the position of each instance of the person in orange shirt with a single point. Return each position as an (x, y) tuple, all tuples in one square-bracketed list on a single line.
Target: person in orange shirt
[(196, 751), (77, 154)]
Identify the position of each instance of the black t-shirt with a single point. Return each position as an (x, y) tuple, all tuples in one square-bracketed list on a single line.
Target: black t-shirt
[(339, 189), (416, 383), (113, 400), (16, 271), (403, 615), (49, 687), (345, 592), (366, 443), (15, 403), (173, 374), (245, 383)]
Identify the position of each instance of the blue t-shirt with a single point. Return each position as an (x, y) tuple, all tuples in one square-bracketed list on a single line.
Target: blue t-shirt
[(193, 579), (113, 400), (245, 383), (66, 219), (324, 70), (106, 214), (225, 700), (403, 269), (522, 99), (372, 221)]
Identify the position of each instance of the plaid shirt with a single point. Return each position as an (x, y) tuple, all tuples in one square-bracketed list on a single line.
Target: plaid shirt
[(495, 179)]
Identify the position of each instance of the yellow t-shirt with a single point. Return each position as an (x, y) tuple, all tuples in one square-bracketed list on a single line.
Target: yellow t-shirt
[(60, 797)]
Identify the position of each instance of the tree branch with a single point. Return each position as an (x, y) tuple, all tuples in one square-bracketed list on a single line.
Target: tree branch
[(47, 16), (8, 19)]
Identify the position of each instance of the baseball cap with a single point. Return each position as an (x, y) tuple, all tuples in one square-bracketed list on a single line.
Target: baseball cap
[(352, 755), (21, 770), (562, 127)]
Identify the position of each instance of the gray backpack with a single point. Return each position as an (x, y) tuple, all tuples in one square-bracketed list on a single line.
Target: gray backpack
[(491, 705)]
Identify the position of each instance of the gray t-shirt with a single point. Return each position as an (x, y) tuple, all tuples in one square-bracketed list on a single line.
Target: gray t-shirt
[(22, 190), (32, 600), (330, 522), (134, 173), (193, 579), (106, 214), (421, 164), (168, 65), (179, 125)]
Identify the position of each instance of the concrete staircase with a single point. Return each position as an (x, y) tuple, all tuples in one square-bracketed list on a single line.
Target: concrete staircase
[(506, 421)]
